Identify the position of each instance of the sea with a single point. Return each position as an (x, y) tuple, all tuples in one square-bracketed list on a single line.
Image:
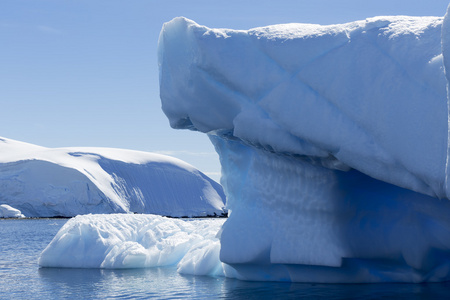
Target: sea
[(22, 241)]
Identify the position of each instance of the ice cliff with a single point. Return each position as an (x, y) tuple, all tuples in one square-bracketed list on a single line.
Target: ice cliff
[(48, 182), (332, 140)]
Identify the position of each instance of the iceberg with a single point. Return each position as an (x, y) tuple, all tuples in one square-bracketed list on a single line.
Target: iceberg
[(119, 241), (7, 211), (333, 142), (65, 182)]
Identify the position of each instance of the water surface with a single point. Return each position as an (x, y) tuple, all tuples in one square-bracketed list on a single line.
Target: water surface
[(21, 278)]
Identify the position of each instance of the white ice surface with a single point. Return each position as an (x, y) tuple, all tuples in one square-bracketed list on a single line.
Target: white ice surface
[(369, 95), (46, 182), (332, 140), (136, 241), (7, 211)]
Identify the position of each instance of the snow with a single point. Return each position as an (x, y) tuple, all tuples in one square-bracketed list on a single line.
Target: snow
[(333, 144), (136, 241), (47, 182), (7, 211)]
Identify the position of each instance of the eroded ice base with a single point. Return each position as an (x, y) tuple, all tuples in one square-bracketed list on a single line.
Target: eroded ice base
[(294, 220)]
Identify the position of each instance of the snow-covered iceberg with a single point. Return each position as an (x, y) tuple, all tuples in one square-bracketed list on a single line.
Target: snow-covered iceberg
[(136, 241), (7, 211), (332, 140), (48, 182)]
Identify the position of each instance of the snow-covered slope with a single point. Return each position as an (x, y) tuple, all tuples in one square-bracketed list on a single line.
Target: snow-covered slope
[(332, 140), (46, 182)]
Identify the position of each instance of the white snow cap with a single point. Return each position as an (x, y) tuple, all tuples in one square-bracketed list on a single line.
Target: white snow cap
[(48, 182), (332, 140)]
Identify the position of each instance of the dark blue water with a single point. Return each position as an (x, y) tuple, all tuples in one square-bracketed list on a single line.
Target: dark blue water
[(22, 241)]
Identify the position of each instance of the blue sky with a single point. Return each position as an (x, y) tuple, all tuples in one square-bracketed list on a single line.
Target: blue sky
[(84, 72)]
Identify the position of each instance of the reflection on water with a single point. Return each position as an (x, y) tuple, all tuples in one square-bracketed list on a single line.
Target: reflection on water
[(130, 283), (276, 290), (167, 283), (20, 278)]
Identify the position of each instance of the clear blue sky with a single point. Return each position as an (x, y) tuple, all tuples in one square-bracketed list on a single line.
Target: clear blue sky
[(84, 72)]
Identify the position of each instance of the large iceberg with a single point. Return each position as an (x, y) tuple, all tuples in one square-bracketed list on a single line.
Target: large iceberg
[(332, 140), (48, 182)]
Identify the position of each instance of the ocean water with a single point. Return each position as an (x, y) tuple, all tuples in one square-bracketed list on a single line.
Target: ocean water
[(23, 240)]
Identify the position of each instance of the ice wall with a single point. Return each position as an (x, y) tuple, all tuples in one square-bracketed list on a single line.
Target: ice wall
[(44, 182), (332, 140)]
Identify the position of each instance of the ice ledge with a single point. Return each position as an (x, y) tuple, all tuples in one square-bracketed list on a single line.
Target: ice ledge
[(369, 93)]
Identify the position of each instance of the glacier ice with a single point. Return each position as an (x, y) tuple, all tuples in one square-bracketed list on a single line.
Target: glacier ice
[(333, 142), (48, 182), (136, 241)]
